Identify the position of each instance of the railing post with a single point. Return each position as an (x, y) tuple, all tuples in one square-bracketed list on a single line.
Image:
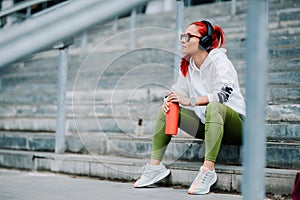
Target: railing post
[(61, 96), (115, 25), (254, 146), (132, 28), (28, 12), (233, 7), (0, 82), (179, 25), (189, 3), (5, 5), (84, 45)]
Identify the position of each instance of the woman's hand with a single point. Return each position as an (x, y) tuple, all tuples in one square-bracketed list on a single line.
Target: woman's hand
[(174, 98), (179, 98), (165, 106)]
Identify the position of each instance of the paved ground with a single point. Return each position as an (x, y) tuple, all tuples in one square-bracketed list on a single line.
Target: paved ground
[(21, 185)]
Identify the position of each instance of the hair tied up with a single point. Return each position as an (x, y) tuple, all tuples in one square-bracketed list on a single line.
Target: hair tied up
[(184, 65)]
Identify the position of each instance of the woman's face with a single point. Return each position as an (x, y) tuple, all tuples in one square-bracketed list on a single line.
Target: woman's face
[(190, 47)]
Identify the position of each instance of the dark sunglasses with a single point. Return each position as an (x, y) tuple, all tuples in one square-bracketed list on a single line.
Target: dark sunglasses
[(188, 36)]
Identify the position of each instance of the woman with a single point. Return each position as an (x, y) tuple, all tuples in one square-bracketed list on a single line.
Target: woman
[(211, 104)]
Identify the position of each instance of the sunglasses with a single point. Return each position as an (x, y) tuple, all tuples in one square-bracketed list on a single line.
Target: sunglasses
[(188, 36)]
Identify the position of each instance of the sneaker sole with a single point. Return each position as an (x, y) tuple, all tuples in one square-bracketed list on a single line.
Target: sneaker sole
[(206, 191), (156, 179)]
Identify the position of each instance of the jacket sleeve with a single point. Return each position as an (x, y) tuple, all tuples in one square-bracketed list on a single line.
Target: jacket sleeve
[(224, 79), (181, 85)]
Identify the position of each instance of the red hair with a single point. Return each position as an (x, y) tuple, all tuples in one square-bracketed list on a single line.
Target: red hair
[(218, 40)]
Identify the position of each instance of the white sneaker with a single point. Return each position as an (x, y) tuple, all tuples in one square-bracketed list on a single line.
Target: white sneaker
[(151, 175), (204, 180)]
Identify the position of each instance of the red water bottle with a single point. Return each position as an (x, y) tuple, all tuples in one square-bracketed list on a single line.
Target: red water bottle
[(172, 119)]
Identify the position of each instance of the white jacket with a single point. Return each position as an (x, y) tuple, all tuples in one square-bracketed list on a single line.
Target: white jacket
[(215, 72)]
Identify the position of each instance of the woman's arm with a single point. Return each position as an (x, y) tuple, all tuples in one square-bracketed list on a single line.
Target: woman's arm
[(186, 101), (202, 101), (224, 81)]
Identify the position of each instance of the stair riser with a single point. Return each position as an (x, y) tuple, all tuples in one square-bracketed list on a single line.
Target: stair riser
[(131, 110), (277, 182), (278, 155)]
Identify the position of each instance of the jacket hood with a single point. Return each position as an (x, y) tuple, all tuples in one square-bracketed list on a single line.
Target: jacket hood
[(217, 53)]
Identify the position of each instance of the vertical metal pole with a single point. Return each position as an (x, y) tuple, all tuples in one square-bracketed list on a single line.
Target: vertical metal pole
[(254, 148), (61, 101), (28, 12), (115, 25), (0, 82), (132, 28), (179, 25), (44, 5), (233, 7), (5, 5), (84, 44), (189, 3)]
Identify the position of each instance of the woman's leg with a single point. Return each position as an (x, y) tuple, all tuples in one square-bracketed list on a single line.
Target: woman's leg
[(188, 121), (156, 171), (222, 124), (160, 140), (191, 123)]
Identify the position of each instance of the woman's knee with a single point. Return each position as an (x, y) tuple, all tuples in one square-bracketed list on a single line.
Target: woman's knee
[(161, 116), (214, 107), (215, 112)]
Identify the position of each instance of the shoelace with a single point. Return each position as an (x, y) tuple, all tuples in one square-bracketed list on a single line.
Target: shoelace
[(203, 177), (206, 177)]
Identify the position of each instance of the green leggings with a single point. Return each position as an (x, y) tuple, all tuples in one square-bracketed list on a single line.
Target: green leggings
[(223, 125)]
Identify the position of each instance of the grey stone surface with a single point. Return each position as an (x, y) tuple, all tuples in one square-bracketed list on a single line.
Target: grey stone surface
[(278, 154), (129, 169), (283, 131), (28, 96), (41, 185), (84, 115)]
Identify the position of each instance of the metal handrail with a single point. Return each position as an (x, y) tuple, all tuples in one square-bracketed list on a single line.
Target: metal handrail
[(17, 42), (20, 6), (50, 9)]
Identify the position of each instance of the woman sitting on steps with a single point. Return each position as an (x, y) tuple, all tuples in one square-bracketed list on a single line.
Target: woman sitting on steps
[(211, 105)]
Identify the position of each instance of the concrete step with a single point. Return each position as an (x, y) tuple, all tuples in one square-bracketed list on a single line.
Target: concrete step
[(283, 86), (182, 147), (146, 36), (282, 53), (207, 11), (282, 94), (29, 95), (153, 51), (167, 20), (160, 67), (132, 64), (147, 74), (277, 181), (134, 104), (274, 43), (275, 130), (83, 124), (39, 66), (275, 65)]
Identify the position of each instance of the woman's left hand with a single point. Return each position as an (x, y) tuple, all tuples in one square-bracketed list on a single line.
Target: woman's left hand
[(179, 98)]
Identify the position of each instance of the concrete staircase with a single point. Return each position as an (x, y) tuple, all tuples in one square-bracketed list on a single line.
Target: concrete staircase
[(114, 86)]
